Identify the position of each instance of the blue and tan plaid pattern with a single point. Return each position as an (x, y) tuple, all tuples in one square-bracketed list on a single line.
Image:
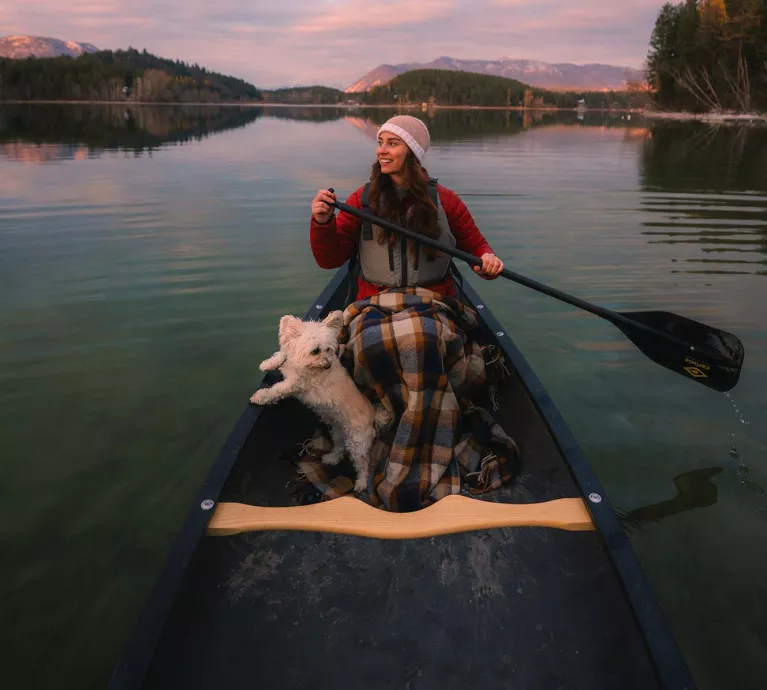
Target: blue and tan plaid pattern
[(412, 350)]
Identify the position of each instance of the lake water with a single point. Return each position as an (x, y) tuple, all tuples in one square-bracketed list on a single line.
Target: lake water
[(147, 254)]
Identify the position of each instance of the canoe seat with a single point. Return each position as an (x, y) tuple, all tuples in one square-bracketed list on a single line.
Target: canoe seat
[(452, 514)]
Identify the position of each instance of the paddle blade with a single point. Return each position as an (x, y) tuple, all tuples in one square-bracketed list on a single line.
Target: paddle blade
[(699, 352)]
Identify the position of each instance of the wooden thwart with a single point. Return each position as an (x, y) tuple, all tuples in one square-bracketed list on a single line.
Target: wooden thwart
[(347, 515)]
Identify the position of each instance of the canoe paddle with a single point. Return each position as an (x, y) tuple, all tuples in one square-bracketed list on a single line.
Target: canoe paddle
[(699, 352)]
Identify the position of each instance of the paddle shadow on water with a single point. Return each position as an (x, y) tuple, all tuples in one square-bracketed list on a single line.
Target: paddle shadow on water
[(694, 490)]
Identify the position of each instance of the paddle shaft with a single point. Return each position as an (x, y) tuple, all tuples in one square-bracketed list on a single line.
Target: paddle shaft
[(472, 260)]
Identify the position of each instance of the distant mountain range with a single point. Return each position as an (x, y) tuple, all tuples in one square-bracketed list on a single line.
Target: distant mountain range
[(554, 76), (545, 75), (41, 47)]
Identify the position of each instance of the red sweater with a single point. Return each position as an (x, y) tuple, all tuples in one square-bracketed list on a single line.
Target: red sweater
[(333, 242)]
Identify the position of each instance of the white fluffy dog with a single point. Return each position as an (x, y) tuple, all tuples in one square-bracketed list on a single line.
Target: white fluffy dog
[(308, 360)]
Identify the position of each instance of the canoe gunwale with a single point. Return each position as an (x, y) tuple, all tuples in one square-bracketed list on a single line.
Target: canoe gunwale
[(669, 665), (667, 658)]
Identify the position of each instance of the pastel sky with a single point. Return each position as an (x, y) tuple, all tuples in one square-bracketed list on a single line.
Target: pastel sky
[(334, 42)]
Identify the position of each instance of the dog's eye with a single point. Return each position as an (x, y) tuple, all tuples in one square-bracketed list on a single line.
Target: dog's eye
[(316, 351)]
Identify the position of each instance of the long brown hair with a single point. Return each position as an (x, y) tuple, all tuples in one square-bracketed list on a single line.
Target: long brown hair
[(386, 203)]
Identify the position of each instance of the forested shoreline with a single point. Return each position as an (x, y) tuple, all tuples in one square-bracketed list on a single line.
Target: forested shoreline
[(140, 77), (469, 89), (122, 75), (710, 56)]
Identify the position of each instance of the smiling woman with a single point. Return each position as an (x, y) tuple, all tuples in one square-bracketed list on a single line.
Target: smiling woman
[(399, 190)]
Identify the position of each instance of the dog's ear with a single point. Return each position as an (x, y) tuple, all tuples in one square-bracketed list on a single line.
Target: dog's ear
[(334, 320), (290, 327)]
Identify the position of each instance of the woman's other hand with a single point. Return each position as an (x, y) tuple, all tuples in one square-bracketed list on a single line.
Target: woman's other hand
[(491, 267), (321, 208)]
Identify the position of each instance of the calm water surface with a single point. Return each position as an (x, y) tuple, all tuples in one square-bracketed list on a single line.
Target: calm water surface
[(147, 255)]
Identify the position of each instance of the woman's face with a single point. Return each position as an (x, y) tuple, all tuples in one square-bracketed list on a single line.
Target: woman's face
[(391, 153)]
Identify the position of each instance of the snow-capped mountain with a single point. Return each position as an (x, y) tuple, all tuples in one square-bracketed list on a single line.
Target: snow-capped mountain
[(41, 47), (547, 75)]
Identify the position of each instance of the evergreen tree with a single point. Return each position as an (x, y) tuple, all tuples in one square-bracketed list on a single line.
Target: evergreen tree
[(710, 54), (101, 76), (442, 87)]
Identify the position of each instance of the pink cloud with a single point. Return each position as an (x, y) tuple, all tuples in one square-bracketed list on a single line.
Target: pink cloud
[(247, 29), (334, 42), (359, 14), (105, 21)]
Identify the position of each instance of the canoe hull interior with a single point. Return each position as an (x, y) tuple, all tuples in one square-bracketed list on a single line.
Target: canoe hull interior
[(507, 608)]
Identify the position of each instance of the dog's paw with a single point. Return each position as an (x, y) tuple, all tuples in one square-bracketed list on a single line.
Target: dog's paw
[(361, 485), (259, 397), (274, 362)]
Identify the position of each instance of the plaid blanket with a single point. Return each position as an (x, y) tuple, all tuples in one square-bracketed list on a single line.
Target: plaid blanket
[(411, 349)]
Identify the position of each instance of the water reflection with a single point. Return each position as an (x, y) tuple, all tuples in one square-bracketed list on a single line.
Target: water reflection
[(306, 114), (684, 156), (40, 133), (48, 132), (452, 125), (705, 191)]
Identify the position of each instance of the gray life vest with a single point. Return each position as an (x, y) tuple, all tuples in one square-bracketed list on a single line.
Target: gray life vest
[(389, 266)]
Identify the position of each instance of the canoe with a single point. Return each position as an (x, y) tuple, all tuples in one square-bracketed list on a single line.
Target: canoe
[(557, 601)]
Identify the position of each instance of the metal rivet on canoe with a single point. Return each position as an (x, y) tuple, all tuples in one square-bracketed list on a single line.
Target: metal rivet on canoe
[(207, 504), (500, 334), (595, 498)]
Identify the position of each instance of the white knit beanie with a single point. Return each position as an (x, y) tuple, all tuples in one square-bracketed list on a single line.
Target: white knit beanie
[(412, 131)]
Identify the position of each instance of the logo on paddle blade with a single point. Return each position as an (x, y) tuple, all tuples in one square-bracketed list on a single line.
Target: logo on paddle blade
[(696, 373), (698, 370)]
